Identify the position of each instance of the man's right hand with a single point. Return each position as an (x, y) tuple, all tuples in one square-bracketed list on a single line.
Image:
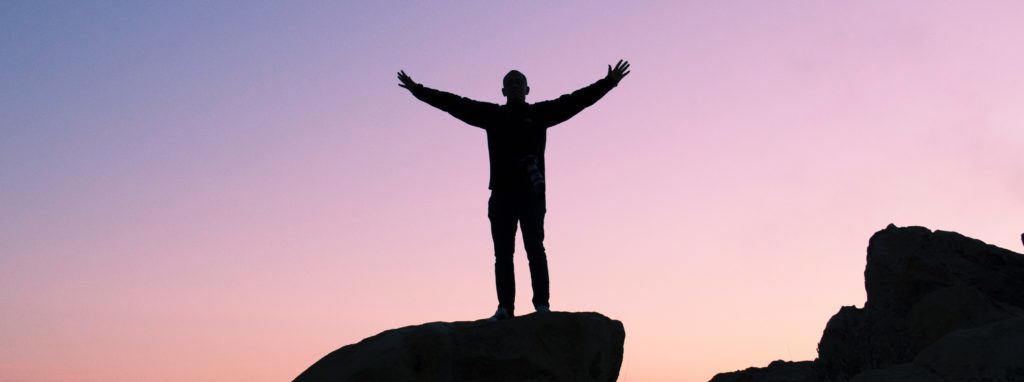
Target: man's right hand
[(407, 81)]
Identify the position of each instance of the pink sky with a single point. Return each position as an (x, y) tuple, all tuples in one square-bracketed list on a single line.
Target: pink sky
[(211, 193)]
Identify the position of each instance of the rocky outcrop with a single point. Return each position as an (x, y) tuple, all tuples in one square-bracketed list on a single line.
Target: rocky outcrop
[(993, 352), (935, 302), (777, 371), (555, 346)]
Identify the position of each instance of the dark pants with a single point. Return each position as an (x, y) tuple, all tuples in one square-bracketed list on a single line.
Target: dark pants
[(505, 209)]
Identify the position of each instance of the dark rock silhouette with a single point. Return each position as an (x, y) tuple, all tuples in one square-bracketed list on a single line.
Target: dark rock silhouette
[(940, 307), (554, 346), (803, 371)]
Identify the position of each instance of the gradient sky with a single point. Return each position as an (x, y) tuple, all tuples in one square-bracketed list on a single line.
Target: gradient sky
[(225, 192)]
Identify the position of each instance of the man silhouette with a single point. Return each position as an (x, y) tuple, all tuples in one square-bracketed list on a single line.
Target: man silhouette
[(516, 138)]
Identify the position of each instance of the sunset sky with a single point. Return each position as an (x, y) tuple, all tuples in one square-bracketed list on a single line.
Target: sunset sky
[(197, 191)]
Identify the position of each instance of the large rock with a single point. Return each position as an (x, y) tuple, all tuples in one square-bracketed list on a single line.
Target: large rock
[(949, 309), (555, 346), (921, 285), (858, 339), (905, 264), (930, 297), (993, 352), (989, 353)]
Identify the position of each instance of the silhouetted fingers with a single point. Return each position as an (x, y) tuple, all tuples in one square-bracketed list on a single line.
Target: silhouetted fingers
[(405, 80)]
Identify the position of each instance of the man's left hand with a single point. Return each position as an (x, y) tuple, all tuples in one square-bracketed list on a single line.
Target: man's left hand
[(619, 72)]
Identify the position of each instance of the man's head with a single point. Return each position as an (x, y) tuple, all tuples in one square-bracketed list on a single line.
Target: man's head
[(514, 87)]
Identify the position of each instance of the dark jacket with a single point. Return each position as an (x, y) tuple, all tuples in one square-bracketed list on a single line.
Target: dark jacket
[(514, 131)]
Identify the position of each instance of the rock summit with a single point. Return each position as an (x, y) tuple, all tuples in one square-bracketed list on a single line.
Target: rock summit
[(555, 346)]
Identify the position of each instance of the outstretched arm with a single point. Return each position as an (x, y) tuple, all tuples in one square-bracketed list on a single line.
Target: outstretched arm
[(475, 113), (562, 108)]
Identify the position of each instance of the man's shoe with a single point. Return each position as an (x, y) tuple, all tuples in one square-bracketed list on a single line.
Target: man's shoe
[(542, 309), (501, 314)]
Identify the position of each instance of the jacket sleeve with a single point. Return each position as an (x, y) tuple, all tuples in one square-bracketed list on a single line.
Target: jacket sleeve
[(559, 110), (473, 112)]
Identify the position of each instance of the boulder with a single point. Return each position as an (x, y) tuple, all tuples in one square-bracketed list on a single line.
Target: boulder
[(989, 353), (556, 346), (905, 264), (935, 303), (993, 352), (949, 309), (858, 339), (921, 285)]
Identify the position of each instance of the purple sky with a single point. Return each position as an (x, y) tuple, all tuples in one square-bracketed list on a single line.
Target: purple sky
[(195, 191)]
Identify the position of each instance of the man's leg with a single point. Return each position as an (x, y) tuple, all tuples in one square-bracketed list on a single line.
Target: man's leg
[(501, 212), (532, 220)]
